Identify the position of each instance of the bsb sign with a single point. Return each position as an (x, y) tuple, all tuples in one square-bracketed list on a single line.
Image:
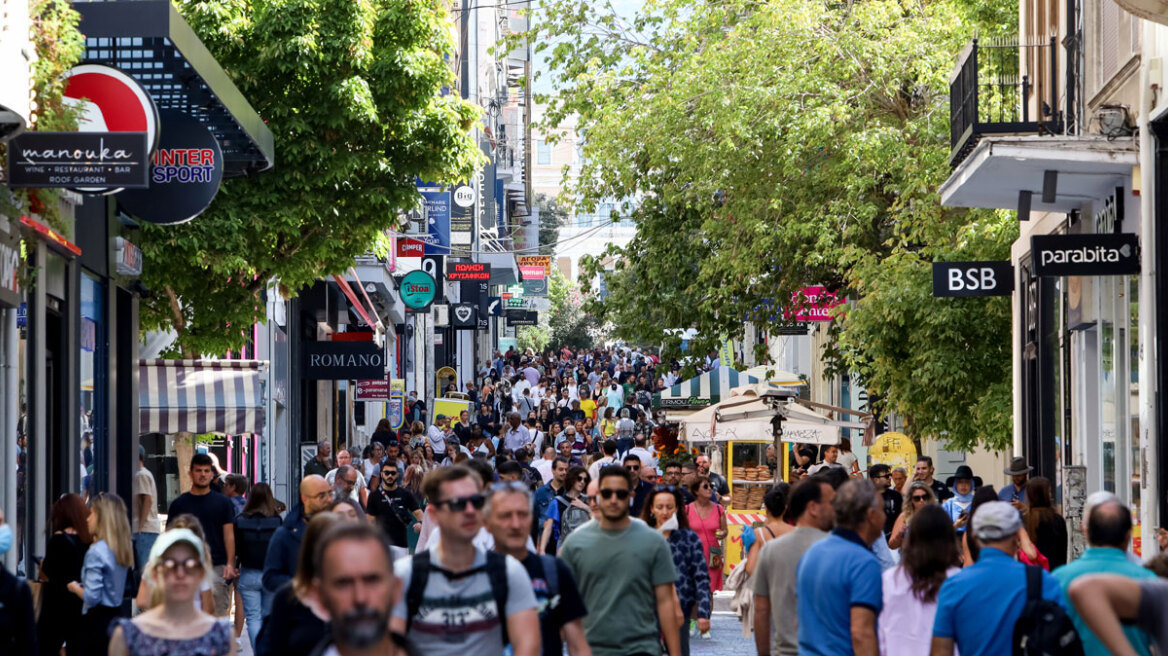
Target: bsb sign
[(970, 279), (343, 361), (1085, 255)]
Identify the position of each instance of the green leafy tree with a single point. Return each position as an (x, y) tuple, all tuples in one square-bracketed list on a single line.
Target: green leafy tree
[(354, 92), (778, 145), (551, 217), (569, 324)]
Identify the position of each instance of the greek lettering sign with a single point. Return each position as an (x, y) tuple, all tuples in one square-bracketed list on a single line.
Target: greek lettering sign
[(343, 361), (418, 290), (1085, 255), (969, 279), (188, 167), (544, 261), (95, 160), (477, 271)]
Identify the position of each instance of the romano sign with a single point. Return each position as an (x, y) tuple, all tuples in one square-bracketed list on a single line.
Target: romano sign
[(343, 361), (1085, 255)]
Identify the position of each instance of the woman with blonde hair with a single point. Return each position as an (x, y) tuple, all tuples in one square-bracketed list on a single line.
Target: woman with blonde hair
[(149, 595), (178, 567), (297, 623), (919, 496), (103, 574)]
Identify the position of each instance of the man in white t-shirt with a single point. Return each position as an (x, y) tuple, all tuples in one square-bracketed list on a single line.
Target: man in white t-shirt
[(609, 458), (544, 463), (145, 512), (437, 435)]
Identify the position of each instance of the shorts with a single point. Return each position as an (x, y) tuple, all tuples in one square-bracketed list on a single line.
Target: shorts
[(221, 591)]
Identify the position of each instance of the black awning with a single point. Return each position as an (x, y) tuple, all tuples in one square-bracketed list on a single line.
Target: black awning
[(150, 41)]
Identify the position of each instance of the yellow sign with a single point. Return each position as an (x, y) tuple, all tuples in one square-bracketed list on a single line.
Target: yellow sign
[(894, 450), (443, 378), (544, 261), (726, 354)]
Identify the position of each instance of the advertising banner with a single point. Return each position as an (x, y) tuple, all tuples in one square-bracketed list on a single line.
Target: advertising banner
[(1085, 255), (418, 290), (532, 272), (397, 403), (437, 205), (970, 279), (468, 271), (187, 169), (544, 261), (815, 304), (376, 389), (105, 160)]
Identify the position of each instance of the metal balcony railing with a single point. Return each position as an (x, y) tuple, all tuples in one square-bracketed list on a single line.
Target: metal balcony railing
[(990, 94)]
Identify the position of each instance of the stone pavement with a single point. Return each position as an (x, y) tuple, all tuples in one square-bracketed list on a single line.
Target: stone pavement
[(725, 631)]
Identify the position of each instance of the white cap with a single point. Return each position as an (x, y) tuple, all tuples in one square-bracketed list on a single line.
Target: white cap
[(996, 520)]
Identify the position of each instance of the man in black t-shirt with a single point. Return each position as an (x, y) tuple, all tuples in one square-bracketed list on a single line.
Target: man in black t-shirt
[(561, 608), (217, 515), (394, 507), (881, 477)]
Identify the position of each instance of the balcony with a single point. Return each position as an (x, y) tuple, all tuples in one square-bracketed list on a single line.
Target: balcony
[(992, 93)]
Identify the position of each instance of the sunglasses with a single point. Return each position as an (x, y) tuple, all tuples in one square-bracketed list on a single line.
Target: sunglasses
[(633, 467), (458, 504), (389, 472), (606, 493), (920, 497), (189, 565)]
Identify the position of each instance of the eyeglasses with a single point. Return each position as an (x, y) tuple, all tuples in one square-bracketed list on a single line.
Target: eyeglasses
[(920, 497), (607, 493), (189, 565), (458, 504)]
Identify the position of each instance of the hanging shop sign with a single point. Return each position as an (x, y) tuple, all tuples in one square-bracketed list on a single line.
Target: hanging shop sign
[(407, 247), (1085, 255), (343, 361), (127, 258), (532, 272), (464, 316), (482, 322), (436, 202), (460, 271), (376, 389), (396, 413), (815, 304), (418, 290), (528, 303), (10, 293), (494, 306), (105, 161), (535, 287), (544, 261), (522, 318), (970, 279), (187, 170)]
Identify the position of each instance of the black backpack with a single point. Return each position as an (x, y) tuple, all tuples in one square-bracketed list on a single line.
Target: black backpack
[(496, 569), (1043, 628)]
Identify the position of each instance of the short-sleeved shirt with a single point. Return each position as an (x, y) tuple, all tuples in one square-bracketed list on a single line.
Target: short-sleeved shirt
[(213, 510), (774, 578), (1009, 493), (1153, 613), (394, 510), (989, 593), (554, 610), (836, 574), (1102, 560), (459, 617), (144, 485), (618, 572)]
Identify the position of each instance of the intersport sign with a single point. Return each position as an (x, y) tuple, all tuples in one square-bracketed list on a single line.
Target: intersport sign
[(1085, 255)]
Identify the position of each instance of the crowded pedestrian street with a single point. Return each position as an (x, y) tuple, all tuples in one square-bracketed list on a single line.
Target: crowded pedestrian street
[(583, 327)]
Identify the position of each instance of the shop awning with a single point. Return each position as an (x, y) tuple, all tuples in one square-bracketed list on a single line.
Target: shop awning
[(201, 396), (704, 390), (1153, 10)]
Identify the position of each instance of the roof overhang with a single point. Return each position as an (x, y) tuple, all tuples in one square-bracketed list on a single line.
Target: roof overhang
[(150, 41), (1088, 167), (504, 271), (1153, 10)]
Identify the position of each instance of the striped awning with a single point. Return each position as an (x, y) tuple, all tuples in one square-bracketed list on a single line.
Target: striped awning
[(704, 390), (201, 396)]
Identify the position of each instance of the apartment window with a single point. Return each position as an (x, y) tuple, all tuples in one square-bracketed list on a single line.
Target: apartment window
[(543, 152)]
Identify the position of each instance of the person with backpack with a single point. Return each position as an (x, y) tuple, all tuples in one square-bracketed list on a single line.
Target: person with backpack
[(566, 512), (459, 598), (988, 608), (561, 609), (254, 528)]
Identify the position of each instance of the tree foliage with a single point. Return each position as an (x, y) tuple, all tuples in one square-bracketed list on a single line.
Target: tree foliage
[(355, 94), (568, 323), (552, 216), (777, 145)]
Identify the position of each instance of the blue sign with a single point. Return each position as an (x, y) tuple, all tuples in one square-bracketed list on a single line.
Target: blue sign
[(22, 315), (500, 200), (437, 204)]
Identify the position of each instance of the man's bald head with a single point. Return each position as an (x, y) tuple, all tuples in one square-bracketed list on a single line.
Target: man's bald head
[(1109, 525), (315, 494)]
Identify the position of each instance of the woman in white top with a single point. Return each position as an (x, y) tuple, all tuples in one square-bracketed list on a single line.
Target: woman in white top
[(848, 459), (928, 557)]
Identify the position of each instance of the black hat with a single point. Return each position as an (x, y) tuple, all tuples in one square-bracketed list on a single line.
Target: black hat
[(1017, 467), (963, 472)]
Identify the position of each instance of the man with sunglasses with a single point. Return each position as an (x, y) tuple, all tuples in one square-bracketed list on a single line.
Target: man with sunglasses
[(394, 507), (881, 477), (625, 572), (461, 599), (546, 493), (641, 488)]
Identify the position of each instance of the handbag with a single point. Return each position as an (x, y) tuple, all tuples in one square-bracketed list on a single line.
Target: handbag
[(715, 557)]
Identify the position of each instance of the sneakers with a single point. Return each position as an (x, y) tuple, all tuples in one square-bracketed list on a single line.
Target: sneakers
[(706, 636), (693, 628)]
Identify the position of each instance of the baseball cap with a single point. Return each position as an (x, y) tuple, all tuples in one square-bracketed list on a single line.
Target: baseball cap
[(996, 520), (439, 417), (168, 539)]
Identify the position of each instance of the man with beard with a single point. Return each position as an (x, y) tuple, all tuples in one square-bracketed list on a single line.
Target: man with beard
[(355, 587), (460, 599)]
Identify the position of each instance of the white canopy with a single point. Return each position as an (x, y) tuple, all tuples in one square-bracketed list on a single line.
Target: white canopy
[(746, 416)]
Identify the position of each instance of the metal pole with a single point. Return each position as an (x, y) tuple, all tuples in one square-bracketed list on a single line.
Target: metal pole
[(1152, 159)]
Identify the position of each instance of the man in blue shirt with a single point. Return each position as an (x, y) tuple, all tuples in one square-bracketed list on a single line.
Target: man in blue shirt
[(1014, 492), (1108, 528), (838, 580), (978, 607)]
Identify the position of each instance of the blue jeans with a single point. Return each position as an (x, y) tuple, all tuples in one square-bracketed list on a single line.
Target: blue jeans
[(143, 542), (257, 602)]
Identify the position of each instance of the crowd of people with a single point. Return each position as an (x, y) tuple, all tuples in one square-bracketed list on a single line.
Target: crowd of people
[(549, 522)]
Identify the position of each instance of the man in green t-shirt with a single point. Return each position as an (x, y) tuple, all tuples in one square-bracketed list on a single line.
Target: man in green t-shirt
[(625, 572)]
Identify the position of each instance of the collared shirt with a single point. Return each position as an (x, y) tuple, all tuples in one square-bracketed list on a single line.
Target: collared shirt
[(103, 580), (843, 564), (437, 439), (989, 593), (516, 438), (1103, 560), (1009, 493)]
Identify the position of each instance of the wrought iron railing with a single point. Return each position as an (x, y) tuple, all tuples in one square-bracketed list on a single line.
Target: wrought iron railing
[(992, 92)]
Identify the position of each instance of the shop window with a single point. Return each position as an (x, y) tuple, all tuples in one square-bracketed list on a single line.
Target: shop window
[(93, 439)]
